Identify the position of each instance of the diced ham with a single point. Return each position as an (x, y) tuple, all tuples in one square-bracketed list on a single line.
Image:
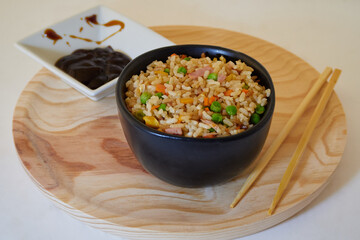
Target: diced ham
[(211, 124), (221, 78), (208, 122), (176, 131), (200, 72)]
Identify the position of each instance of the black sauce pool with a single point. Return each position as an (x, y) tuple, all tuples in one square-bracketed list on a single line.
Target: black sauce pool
[(94, 67)]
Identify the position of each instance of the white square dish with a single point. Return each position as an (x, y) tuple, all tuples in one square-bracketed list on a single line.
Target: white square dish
[(133, 40)]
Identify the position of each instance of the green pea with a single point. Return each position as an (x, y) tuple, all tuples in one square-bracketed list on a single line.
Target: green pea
[(231, 110), (211, 130), (187, 59), (216, 118), (182, 70), (144, 97), (159, 94), (213, 76), (167, 70), (215, 106), (246, 86), (162, 106), (259, 109), (139, 115), (255, 118)]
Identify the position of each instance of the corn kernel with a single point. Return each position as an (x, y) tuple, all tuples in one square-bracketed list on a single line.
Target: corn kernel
[(151, 121)]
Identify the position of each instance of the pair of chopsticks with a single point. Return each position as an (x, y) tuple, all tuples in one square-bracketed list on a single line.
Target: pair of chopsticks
[(285, 131)]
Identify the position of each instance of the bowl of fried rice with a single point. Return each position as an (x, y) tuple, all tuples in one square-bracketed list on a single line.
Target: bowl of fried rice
[(195, 115)]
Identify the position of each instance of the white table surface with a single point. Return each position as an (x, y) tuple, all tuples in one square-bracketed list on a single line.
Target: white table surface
[(323, 33)]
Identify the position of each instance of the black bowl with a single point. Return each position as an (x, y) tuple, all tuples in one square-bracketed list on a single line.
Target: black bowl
[(193, 162)]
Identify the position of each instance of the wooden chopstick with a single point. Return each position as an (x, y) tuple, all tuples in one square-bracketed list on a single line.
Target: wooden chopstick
[(281, 137), (304, 139)]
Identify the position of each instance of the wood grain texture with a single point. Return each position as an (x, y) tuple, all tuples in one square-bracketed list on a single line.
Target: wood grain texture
[(75, 152)]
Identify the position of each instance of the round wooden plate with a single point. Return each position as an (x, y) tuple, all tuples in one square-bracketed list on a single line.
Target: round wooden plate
[(74, 150)]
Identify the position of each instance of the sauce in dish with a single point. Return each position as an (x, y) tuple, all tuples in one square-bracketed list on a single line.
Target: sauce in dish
[(52, 35), (94, 67), (90, 20)]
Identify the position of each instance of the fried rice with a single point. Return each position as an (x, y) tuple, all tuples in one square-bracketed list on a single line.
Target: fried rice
[(197, 97)]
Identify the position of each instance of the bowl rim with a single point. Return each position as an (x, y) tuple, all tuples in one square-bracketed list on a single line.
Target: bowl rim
[(122, 108)]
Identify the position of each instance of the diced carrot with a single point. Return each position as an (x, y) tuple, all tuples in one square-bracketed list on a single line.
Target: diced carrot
[(228, 92), (174, 54), (212, 99), (155, 107), (245, 91), (186, 100), (183, 56), (207, 109), (209, 136), (206, 101), (160, 88)]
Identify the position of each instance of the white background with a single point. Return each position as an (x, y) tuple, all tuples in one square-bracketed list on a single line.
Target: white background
[(323, 33)]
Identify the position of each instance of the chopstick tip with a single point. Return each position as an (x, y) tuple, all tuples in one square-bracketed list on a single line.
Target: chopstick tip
[(337, 70), (234, 203), (270, 212)]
